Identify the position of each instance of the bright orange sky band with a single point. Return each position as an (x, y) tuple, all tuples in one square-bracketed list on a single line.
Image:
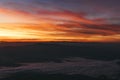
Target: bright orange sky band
[(54, 25)]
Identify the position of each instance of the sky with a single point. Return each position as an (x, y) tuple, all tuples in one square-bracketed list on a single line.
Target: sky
[(60, 20)]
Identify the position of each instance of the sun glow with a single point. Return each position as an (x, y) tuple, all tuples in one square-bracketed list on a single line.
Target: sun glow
[(41, 24)]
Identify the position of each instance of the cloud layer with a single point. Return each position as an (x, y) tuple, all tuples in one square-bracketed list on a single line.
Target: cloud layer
[(55, 20)]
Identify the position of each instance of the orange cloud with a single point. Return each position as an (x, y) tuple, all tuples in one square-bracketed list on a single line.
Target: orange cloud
[(15, 16), (63, 25)]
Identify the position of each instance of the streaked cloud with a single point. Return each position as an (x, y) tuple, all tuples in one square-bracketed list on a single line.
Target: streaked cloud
[(54, 20)]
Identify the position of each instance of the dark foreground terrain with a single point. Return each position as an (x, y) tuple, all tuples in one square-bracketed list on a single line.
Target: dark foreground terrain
[(29, 75), (42, 52), (104, 53)]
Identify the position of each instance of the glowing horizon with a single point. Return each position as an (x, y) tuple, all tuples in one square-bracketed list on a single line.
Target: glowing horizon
[(38, 20)]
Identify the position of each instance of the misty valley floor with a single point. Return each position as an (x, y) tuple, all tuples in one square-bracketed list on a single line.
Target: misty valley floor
[(60, 61)]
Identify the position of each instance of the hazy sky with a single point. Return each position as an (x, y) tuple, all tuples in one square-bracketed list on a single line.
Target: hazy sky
[(60, 20)]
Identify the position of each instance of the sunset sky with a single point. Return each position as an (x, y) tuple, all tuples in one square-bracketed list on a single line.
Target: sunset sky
[(60, 20)]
